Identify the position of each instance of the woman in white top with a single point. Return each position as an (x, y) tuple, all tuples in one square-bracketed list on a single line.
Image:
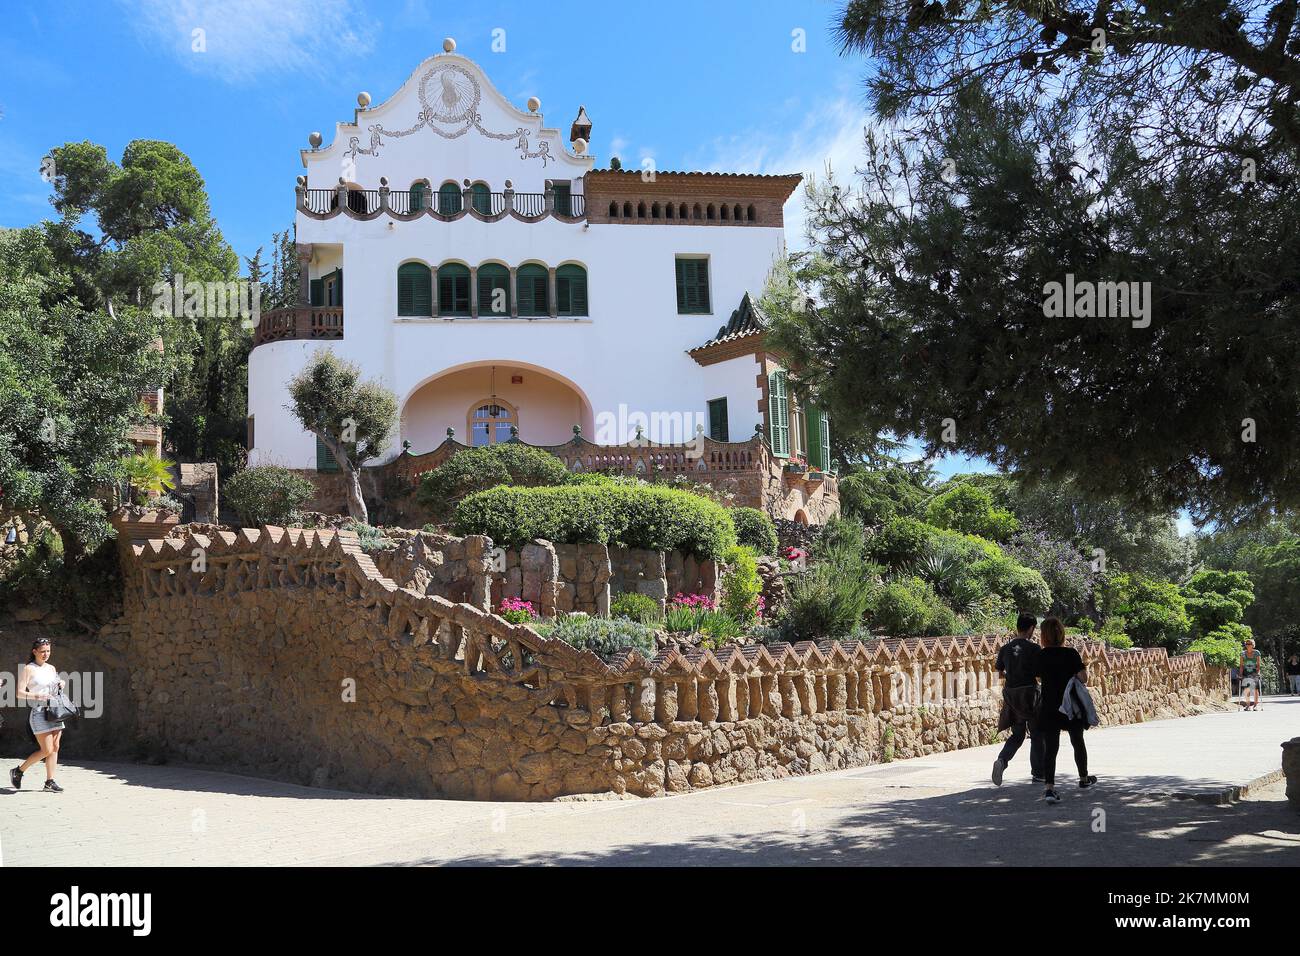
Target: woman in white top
[(39, 682)]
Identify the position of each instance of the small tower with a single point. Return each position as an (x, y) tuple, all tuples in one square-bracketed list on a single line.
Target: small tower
[(581, 126)]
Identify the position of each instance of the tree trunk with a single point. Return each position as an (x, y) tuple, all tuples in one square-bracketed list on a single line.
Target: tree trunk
[(356, 503)]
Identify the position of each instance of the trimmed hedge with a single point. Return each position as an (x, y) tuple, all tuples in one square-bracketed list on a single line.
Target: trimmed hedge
[(267, 494), (604, 636), (650, 516), (754, 529), (477, 469)]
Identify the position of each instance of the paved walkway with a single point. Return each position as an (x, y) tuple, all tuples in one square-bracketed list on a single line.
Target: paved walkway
[(932, 810)]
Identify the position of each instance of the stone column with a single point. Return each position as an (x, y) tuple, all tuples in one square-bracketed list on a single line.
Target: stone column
[(553, 301), (473, 292), (304, 273), (514, 288)]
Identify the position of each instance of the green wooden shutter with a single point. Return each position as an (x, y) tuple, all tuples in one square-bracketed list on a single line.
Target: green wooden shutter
[(449, 199), (571, 290), (718, 429), (813, 420), (339, 303), (482, 198), (563, 204), (317, 290), (414, 290), (324, 457), (778, 415), (491, 278), (531, 283), (692, 286), (453, 289)]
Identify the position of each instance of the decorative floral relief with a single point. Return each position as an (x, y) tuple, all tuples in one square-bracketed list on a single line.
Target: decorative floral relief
[(449, 95)]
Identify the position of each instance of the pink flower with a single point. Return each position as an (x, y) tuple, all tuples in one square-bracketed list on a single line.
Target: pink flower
[(699, 602)]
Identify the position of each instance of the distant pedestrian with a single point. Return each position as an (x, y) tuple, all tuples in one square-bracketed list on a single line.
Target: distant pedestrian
[(1293, 673), (39, 682), (1016, 661), (1055, 666), (1250, 674)]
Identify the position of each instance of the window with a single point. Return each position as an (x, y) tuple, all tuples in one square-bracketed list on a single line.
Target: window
[(453, 289), (718, 420), (324, 457), (778, 415), (251, 433), (693, 286), (332, 288), (414, 289), (316, 292), (493, 291), (819, 438), (531, 287), (490, 423), (571, 290), (449, 199), (357, 201), (563, 200), (417, 194), (482, 199)]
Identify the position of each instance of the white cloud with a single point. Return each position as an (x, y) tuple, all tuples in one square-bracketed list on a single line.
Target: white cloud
[(245, 39), (831, 132)]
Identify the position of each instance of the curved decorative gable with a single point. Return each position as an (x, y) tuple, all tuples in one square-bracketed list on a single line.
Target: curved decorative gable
[(447, 114)]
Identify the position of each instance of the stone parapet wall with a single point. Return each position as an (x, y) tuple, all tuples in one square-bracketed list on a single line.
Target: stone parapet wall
[(290, 654)]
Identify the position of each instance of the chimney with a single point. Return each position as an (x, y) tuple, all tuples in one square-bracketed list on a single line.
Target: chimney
[(581, 126)]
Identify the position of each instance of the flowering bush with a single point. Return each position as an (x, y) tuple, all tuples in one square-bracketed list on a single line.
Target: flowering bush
[(697, 602), (517, 611)]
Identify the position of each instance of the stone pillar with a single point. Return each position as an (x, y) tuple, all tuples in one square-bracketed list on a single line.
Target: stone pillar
[(708, 700), (304, 273), (473, 292), (688, 699), (541, 575), (726, 698), (643, 705), (514, 286), (789, 696), (666, 702), (618, 706), (553, 301)]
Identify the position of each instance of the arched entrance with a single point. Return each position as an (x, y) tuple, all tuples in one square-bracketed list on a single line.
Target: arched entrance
[(483, 401)]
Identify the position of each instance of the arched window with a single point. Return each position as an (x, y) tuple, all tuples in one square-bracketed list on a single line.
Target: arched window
[(724, 211), (571, 290), (627, 210), (697, 211), (640, 210), (654, 211), (453, 289), (449, 199), (357, 201), (482, 199), (711, 212), (613, 210), (493, 291), (682, 213), (750, 213), (669, 209), (414, 289), (418, 193), (737, 215), (490, 422), (531, 283)]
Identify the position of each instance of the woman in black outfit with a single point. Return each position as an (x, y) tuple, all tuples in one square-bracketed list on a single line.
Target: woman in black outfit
[(1054, 667)]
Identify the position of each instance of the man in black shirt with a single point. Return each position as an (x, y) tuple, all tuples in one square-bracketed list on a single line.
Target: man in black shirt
[(1016, 663)]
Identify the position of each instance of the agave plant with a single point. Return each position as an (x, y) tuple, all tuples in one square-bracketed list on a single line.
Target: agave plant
[(943, 571)]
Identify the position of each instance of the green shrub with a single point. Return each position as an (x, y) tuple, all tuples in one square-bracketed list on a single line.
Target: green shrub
[(477, 469), (969, 508), (267, 494), (741, 586), (908, 607), (828, 600), (1112, 634), (679, 619), (602, 635), (635, 607), (647, 516), (718, 627), (992, 613), (1219, 651), (754, 529), (900, 542)]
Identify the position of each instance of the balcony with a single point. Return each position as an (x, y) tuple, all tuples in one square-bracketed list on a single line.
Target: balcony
[(400, 204), (300, 322)]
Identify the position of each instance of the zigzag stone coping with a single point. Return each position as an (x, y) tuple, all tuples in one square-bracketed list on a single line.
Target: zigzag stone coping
[(452, 700)]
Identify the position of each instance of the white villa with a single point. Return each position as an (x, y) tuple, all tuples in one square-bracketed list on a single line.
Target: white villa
[(506, 289)]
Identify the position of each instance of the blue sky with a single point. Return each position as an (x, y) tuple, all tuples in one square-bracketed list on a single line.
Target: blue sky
[(721, 85)]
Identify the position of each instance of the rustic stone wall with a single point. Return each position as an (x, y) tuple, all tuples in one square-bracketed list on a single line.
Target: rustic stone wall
[(289, 654)]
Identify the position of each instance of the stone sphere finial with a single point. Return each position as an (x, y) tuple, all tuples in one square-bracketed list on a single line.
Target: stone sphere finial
[(451, 434), (363, 99), (448, 45), (579, 145), (315, 139), (534, 104), (383, 180), (302, 180), (509, 184), (577, 431)]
